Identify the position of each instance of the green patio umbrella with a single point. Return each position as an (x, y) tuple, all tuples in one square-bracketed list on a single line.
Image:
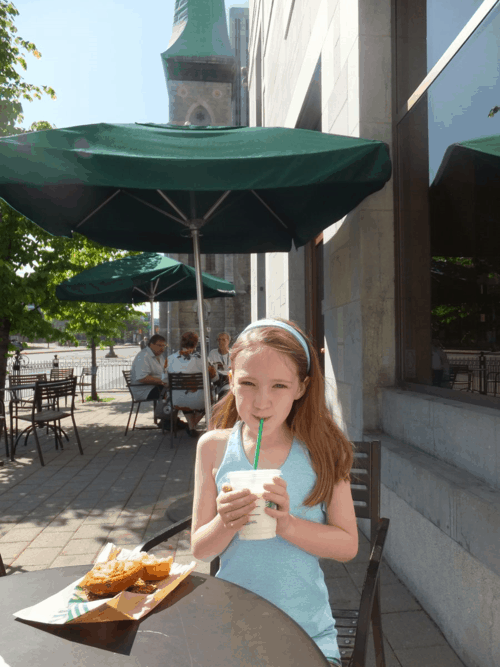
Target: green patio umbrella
[(139, 278), (189, 189), (465, 200)]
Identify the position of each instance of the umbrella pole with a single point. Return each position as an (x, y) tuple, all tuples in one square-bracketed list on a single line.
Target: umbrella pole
[(151, 301), (195, 234)]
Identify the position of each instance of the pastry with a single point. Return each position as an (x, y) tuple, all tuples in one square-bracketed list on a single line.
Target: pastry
[(112, 577), (155, 568)]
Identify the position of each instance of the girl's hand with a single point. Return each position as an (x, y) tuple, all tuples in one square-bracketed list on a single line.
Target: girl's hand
[(278, 494), (234, 507)]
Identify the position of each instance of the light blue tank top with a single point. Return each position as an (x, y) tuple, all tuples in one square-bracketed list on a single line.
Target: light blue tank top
[(275, 569)]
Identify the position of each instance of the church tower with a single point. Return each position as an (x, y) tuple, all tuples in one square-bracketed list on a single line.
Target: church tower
[(200, 70), (199, 65)]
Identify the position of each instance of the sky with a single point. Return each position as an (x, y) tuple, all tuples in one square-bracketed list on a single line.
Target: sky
[(102, 58)]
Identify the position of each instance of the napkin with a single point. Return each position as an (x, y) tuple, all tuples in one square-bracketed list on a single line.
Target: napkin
[(71, 606)]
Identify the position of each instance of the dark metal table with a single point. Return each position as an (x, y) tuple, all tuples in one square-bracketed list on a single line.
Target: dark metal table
[(204, 622)]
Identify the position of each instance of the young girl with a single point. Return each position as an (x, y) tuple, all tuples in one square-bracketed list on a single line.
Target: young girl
[(276, 375)]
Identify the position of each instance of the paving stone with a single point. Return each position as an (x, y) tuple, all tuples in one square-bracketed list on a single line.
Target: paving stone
[(11, 551), (81, 559), (51, 539), (105, 518), (64, 526), (395, 597), (411, 629), (391, 659), (37, 556), (75, 547), (21, 534), (91, 531), (122, 537), (342, 593), (429, 656)]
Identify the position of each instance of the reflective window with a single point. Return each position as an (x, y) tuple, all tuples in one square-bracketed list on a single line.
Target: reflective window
[(425, 29), (449, 219)]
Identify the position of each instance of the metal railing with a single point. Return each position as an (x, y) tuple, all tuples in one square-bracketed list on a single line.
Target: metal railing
[(475, 372), (109, 371)]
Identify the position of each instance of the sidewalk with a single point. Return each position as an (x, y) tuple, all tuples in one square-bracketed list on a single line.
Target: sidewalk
[(120, 492)]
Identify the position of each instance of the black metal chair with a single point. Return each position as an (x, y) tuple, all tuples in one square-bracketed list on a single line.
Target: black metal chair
[(126, 375), (3, 573), (85, 380), (352, 625), (182, 382), (3, 426), (46, 411), (462, 384), (61, 374), (19, 400)]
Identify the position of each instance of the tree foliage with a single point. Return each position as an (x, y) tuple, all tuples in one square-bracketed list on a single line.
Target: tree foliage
[(13, 88)]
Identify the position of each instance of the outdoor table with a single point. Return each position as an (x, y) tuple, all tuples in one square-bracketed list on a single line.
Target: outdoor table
[(204, 621)]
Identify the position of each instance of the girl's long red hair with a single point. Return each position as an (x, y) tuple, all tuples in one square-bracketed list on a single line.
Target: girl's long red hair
[(309, 419)]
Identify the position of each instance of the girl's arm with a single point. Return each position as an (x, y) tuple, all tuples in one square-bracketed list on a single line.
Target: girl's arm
[(215, 520), (337, 540)]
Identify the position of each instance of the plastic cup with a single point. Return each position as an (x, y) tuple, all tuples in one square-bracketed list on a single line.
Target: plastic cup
[(261, 526)]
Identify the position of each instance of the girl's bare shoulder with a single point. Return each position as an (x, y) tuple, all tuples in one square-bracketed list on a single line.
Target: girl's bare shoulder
[(211, 447)]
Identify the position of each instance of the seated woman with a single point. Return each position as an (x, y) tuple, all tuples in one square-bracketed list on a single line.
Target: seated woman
[(188, 360)]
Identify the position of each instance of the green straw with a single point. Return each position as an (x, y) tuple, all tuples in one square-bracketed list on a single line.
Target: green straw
[(257, 448)]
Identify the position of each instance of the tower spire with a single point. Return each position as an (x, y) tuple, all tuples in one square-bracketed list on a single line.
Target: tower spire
[(200, 29), (199, 65)]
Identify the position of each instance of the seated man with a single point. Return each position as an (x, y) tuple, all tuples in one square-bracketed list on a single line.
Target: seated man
[(147, 369), (219, 358)]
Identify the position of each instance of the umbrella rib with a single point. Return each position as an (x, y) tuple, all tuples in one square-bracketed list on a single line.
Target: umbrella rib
[(170, 287), (169, 215), (271, 211), (156, 294), (176, 209), (98, 208), (216, 205)]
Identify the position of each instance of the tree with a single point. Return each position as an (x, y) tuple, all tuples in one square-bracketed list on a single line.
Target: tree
[(98, 321), (13, 89)]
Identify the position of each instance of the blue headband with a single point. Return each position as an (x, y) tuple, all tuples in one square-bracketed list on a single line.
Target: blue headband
[(287, 327)]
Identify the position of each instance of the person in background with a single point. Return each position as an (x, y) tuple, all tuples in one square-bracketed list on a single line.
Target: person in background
[(147, 370), (143, 343), (219, 358), (440, 363), (188, 360)]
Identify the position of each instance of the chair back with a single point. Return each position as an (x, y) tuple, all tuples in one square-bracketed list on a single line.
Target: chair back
[(185, 381), (61, 373), (49, 393), (365, 483), (126, 375), (16, 379), (88, 371)]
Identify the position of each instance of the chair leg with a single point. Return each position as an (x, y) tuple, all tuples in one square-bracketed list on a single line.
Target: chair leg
[(3, 427), (38, 447), (136, 414), (378, 639), (129, 416), (77, 435)]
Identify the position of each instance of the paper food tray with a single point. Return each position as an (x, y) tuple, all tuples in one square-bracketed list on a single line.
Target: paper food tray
[(71, 606)]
